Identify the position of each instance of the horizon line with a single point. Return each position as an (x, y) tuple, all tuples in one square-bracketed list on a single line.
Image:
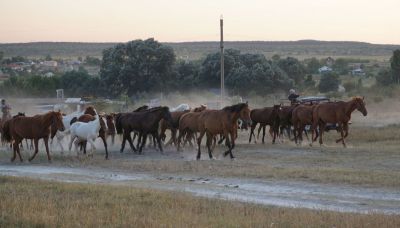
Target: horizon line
[(203, 41)]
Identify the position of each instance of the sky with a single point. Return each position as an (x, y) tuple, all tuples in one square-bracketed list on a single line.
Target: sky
[(198, 20)]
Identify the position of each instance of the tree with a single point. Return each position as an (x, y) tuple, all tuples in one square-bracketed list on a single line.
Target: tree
[(293, 68), (395, 65), (136, 66), (309, 82), (93, 61), (186, 75), (341, 66), (384, 77), (1, 56), (329, 82), (312, 65), (48, 57)]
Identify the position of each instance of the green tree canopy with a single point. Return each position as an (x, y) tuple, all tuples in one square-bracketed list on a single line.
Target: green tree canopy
[(136, 66), (329, 82), (395, 65), (293, 68)]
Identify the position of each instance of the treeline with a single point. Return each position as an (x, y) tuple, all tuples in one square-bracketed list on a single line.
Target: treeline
[(141, 66)]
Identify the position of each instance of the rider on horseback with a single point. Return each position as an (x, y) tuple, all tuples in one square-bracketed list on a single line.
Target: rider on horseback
[(5, 109), (293, 96)]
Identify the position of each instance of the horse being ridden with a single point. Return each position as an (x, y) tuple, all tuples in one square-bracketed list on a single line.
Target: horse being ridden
[(35, 127), (215, 122), (336, 113), (88, 132)]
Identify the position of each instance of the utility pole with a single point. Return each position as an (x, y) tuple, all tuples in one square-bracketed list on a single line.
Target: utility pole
[(221, 23)]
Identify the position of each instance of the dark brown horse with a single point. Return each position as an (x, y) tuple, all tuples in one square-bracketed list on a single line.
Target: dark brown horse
[(285, 120), (36, 127), (89, 115), (264, 116), (336, 113), (144, 122), (216, 122)]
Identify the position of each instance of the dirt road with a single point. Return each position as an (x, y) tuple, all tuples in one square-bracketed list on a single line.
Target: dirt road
[(275, 193)]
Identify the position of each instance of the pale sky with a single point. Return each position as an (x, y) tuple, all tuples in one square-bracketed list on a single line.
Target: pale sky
[(198, 20)]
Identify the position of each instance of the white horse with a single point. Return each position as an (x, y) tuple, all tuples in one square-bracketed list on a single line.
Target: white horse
[(180, 108), (67, 124), (85, 132)]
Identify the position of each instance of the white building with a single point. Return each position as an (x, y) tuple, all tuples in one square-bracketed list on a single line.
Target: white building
[(324, 69)]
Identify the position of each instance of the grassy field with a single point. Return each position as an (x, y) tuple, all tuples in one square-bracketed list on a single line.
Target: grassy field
[(33, 203)]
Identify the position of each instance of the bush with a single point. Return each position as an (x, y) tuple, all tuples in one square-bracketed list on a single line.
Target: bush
[(329, 82), (349, 86)]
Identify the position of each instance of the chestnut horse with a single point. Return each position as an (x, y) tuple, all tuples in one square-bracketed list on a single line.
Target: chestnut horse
[(144, 122), (285, 120), (110, 127), (336, 113), (215, 122), (264, 116), (36, 127), (176, 116), (301, 116)]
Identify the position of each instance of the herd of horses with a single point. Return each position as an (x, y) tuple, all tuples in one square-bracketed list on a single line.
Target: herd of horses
[(186, 126)]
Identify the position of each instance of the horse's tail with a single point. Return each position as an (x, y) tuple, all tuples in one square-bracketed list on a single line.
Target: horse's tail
[(6, 134), (118, 124)]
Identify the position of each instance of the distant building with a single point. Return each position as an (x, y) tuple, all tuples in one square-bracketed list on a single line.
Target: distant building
[(51, 63), (357, 71), (324, 69), (49, 74)]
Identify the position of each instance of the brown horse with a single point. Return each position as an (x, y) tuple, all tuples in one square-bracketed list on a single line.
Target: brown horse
[(144, 122), (36, 127), (301, 116), (264, 116), (176, 116), (188, 127), (89, 115), (215, 122), (285, 120), (336, 113), (110, 127)]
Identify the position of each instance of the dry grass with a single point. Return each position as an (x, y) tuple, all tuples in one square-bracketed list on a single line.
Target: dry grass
[(33, 203)]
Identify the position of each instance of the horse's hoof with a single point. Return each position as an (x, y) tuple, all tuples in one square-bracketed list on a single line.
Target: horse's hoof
[(233, 158)]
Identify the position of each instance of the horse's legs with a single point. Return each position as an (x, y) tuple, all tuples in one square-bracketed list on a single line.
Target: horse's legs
[(253, 126), (210, 139), (221, 139), (128, 137), (144, 139), (103, 137), (93, 147), (124, 136), (36, 149), (228, 144), (172, 139), (156, 136), (59, 138), (46, 144), (321, 131), (71, 141), (15, 146), (259, 130), (178, 145), (112, 139), (342, 134), (199, 144), (263, 137)]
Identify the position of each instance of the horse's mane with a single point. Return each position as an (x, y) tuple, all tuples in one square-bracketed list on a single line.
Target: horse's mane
[(235, 108), (157, 109), (141, 108), (357, 98)]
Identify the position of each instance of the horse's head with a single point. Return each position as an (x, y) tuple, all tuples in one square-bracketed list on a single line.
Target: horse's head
[(200, 109), (90, 110), (166, 115), (57, 121), (360, 105), (244, 115)]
